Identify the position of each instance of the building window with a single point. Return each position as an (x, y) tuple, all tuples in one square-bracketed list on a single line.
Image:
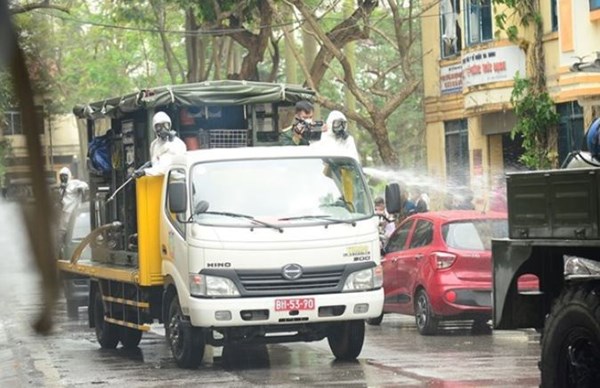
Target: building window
[(12, 124), (554, 15), (594, 4), (451, 36), (570, 129), (457, 152), (479, 21)]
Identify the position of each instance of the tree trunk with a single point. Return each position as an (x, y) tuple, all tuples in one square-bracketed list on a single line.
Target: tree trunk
[(193, 48), (275, 59), (291, 75), (379, 132), (350, 51), (170, 58), (255, 44), (537, 56), (216, 57), (347, 31)]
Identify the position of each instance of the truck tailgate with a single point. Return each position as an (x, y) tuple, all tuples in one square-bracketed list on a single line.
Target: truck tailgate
[(561, 204)]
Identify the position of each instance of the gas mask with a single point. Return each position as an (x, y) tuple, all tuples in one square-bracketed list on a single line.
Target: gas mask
[(163, 131), (64, 178), (339, 128)]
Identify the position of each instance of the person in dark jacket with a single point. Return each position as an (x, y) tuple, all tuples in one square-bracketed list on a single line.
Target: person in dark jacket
[(421, 201)]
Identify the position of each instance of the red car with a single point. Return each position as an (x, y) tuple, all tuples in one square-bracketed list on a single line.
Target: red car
[(437, 266)]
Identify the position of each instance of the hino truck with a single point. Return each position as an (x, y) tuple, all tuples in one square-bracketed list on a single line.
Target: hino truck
[(241, 241)]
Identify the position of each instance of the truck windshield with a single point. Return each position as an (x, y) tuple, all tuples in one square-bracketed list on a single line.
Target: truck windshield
[(280, 191)]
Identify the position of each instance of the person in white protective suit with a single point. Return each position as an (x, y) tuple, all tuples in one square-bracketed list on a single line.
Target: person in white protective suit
[(163, 148), (337, 136), (72, 192)]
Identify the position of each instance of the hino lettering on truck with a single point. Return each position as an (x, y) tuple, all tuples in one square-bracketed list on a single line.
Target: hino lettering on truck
[(218, 265)]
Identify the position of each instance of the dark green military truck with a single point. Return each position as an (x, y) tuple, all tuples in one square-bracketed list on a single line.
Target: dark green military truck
[(554, 233)]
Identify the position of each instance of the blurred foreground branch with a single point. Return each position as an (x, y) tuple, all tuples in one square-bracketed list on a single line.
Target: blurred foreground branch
[(38, 215)]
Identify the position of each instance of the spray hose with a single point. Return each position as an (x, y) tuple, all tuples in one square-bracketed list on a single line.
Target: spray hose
[(91, 237)]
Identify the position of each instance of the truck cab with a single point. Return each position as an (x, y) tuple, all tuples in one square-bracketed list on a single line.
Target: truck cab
[(270, 244)]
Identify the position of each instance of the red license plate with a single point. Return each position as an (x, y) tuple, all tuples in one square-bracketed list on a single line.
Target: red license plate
[(294, 304)]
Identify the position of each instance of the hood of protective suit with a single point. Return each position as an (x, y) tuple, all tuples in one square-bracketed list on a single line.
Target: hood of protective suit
[(334, 115), (160, 117), (65, 170)]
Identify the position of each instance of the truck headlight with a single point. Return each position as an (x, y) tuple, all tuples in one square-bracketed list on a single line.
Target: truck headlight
[(366, 279), (206, 285)]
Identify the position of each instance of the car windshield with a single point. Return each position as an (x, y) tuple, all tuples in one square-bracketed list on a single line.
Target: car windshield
[(474, 235), (279, 191)]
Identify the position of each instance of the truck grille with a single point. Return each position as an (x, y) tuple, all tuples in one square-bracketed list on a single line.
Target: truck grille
[(271, 282)]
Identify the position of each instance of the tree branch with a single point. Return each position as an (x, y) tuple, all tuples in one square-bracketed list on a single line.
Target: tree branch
[(345, 32), (17, 9), (337, 53)]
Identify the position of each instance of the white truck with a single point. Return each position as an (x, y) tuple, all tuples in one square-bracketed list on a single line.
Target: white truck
[(245, 245)]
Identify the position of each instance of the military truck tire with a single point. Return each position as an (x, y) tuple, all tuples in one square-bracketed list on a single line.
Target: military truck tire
[(346, 339), (427, 323), (375, 321), (571, 340), (185, 341), (107, 333), (130, 338)]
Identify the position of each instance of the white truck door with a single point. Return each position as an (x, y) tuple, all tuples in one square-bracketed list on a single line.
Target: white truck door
[(173, 230)]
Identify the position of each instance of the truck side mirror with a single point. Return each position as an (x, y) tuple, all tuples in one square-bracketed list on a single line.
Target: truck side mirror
[(177, 197), (393, 198)]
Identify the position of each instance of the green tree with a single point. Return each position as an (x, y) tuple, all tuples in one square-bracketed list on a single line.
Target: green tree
[(537, 120), (389, 74), (536, 116), (367, 52)]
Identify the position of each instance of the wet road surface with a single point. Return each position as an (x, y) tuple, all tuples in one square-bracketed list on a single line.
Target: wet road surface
[(394, 353)]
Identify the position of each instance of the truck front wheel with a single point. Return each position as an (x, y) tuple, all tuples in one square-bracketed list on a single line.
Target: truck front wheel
[(571, 340), (107, 333), (346, 339), (186, 342)]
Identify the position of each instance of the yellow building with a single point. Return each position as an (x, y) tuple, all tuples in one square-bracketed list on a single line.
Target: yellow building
[(468, 75), (60, 145)]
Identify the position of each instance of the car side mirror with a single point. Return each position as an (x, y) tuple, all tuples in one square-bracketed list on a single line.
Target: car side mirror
[(177, 197), (393, 198)]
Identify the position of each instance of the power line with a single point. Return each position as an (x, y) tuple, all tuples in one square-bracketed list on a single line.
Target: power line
[(209, 32), (224, 31)]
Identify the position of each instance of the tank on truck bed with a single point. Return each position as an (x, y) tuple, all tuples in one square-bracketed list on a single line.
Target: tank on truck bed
[(554, 234)]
